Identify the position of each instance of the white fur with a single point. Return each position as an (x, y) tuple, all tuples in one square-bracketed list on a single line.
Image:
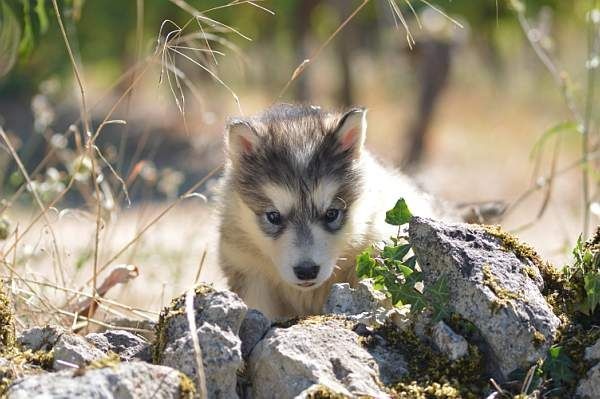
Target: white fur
[(282, 198), (323, 195)]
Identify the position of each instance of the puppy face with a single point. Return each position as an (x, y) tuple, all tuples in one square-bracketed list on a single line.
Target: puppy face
[(296, 171)]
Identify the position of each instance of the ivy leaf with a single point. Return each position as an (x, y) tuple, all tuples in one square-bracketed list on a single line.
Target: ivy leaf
[(558, 365), (411, 262), (365, 265), (415, 298), (398, 215), (405, 270), (592, 290), (438, 295), (396, 252)]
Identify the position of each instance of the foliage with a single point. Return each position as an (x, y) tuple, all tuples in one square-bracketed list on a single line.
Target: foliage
[(396, 273), (585, 275), (558, 365)]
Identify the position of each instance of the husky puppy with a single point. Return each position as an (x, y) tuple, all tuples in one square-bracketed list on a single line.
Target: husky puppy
[(300, 199)]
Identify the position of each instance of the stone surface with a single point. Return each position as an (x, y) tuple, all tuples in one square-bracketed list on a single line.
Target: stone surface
[(221, 359), (448, 342), (490, 287), (218, 316), (593, 352), (589, 387), (145, 328), (71, 349), (343, 299), (253, 329), (123, 343), (40, 338), (288, 361), (124, 381), (221, 308)]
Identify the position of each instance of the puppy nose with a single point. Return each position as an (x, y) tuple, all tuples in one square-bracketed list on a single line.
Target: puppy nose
[(306, 270)]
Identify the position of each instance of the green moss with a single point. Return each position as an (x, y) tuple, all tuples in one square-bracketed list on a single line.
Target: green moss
[(414, 390), (530, 272), (315, 320), (322, 392), (175, 308), (7, 325), (503, 296), (187, 389), (110, 360), (21, 361), (430, 373), (511, 243), (538, 339)]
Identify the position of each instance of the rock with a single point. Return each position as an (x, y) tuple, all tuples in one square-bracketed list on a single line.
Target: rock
[(123, 343), (346, 300), (40, 338), (363, 303), (317, 351), (593, 352), (221, 308), (221, 358), (73, 350), (143, 328), (218, 316), (493, 288), (589, 387), (253, 329), (449, 342), (124, 381)]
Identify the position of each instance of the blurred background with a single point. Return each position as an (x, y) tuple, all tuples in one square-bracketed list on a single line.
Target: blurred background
[(479, 101)]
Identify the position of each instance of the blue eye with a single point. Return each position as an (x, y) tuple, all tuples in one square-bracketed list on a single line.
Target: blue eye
[(333, 217), (273, 217)]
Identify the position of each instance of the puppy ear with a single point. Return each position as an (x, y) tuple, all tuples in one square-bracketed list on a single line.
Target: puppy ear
[(352, 130), (241, 138)]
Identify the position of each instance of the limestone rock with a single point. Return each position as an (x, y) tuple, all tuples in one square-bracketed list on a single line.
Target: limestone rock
[(40, 338), (449, 342), (221, 359), (253, 329), (288, 361), (592, 353), (73, 350), (123, 343), (124, 381), (493, 288), (589, 387), (218, 316)]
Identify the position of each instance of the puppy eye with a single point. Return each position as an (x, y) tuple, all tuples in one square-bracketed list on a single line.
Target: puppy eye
[(333, 216), (273, 217)]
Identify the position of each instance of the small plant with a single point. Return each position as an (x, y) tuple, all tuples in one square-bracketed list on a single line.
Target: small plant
[(395, 271), (584, 274)]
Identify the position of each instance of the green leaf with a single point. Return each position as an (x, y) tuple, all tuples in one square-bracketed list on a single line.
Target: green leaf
[(438, 295), (411, 262), (40, 11), (592, 290), (398, 215), (365, 265), (397, 252), (27, 40), (563, 127), (558, 365), (405, 270)]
